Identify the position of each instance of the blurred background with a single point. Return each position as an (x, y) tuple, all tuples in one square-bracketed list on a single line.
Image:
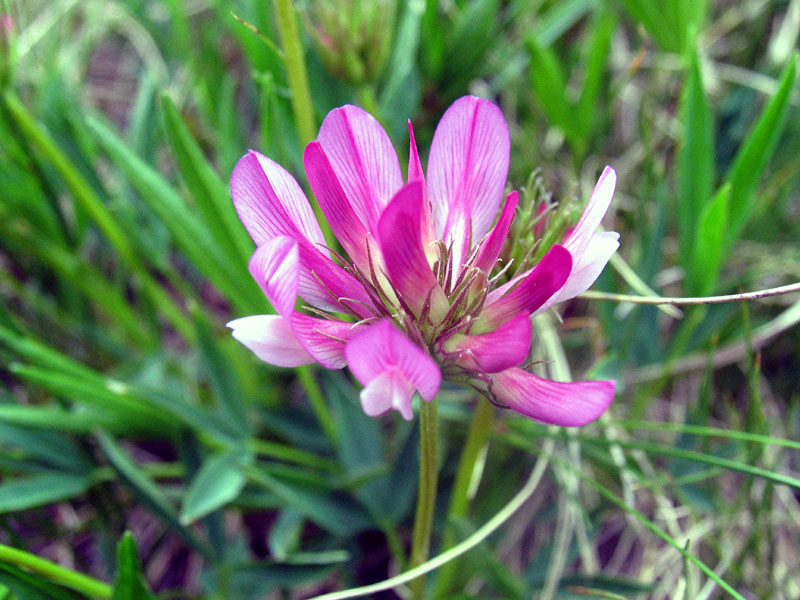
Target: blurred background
[(125, 405)]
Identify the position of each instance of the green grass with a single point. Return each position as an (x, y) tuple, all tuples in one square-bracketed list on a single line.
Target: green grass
[(125, 405)]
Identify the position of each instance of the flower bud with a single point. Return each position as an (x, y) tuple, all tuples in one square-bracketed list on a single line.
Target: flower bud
[(353, 37)]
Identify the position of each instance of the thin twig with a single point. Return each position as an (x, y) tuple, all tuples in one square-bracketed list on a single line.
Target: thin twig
[(785, 289)]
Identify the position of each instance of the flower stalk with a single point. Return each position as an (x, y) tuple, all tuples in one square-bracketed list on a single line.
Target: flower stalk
[(469, 467), (426, 493)]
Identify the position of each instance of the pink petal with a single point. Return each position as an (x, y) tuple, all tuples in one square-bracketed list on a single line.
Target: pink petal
[(414, 163), (270, 203), (383, 350), (323, 339), (590, 264), (493, 243), (388, 390), (271, 339), (400, 241), (537, 286), (467, 171), (347, 227), (569, 404), (415, 174), (578, 240), (275, 268), (364, 160), (505, 347)]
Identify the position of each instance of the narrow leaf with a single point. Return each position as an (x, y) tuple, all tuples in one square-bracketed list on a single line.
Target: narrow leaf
[(219, 481), (130, 583)]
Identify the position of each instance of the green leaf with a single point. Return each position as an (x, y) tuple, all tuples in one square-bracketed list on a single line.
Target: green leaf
[(695, 160), (146, 490), (284, 535), (219, 481), (709, 243), (210, 194), (549, 84), (41, 489), (596, 59), (130, 583), (755, 152)]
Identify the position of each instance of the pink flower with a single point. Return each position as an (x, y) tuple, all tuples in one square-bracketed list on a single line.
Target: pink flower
[(414, 301)]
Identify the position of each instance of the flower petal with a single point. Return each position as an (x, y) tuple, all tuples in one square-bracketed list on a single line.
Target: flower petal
[(537, 286), (578, 240), (467, 171), (590, 264), (323, 339), (335, 204), (505, 347), (364, 160), (569, 404), (388, 390), (382, 352), (275, 268), (271, 339), (400, 241), (270, 203), (492, 244)]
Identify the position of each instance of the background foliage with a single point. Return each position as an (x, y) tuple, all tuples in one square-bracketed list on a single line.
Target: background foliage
[(125, 405)]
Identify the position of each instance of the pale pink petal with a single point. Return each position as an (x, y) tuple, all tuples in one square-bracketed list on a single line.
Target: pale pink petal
[(389, 390), (400, 241), (578, 239), (569, 404), (505, 347), (467, 171), (538, 285), (363, 159), (590, 264), (270, 203), (383, 350), (275, 268), (347, 227), (271, 340), (493, 243), (324, 339)]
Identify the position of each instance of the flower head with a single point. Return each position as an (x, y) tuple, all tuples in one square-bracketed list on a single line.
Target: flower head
[(417, 297)]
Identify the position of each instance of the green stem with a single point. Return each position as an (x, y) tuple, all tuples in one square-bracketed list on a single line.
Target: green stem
[(75, 581), (296, 70), (302, 106), (426, 493), (469, 467), (317, 399)]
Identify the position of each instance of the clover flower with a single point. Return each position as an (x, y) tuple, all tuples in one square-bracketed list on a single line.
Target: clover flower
[(417, 298)]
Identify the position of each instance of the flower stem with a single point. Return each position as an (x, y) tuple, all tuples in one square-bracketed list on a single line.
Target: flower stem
[(426, 494), (75, 581), (469, 467), (302, 106)]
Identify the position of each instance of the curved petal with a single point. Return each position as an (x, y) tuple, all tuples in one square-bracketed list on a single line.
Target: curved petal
[(323, 339), (364, 160), (270, 203), (400, 241), (467, 171), (537, 286), (335, 204), (492, 244), (388, 390), (590, 264), (275, 268), (505, 347), (569, 404), (415, 173), (382, 352), (271, 340), (578, 240)]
